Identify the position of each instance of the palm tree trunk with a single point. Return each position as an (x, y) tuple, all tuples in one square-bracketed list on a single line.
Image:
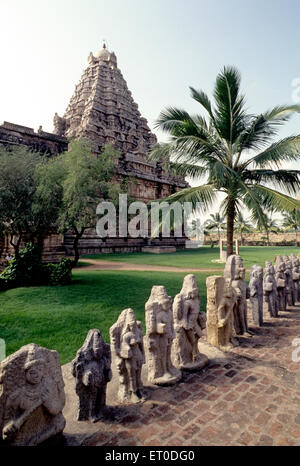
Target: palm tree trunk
[(296, 237), (268, 238), (230, 226)]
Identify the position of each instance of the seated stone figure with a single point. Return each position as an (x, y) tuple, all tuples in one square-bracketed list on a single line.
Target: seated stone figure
[(270, 289), (159, 338), (221, 301), (188, 325), (91, 369), (256, 294), (290, 287), (296, 275), (280, 278), (235, 272), (126, 337), (31, 396)]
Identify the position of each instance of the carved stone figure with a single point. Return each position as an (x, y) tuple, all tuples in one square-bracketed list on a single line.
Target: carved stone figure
[(159, 338), (280, 278), (256, 294), (290, 287), (235, 272), (31, 396), (296, 275), (270, 289), (59, 125), (221, 301), (126, 337), (91, 368), (188, 325)]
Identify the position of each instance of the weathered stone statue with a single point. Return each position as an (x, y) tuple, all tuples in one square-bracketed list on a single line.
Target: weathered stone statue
[(290, 288), (91, 368), (126, 337), (235, 272), (188, 325), (270, 289), (221, 301), (31, 396), (296, 275), (159, 338), (256, 294), (280, 278)]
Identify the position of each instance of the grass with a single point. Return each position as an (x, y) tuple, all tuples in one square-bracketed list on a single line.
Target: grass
[(60, 317), (201, 257)]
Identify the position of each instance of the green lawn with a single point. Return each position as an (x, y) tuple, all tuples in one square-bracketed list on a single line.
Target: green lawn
[(60, 317), (201, 257)]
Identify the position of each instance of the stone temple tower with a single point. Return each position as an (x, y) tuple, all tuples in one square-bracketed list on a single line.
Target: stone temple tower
[(102, 109)]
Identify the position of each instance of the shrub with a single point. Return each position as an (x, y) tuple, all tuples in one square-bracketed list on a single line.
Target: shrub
[(59, 274)]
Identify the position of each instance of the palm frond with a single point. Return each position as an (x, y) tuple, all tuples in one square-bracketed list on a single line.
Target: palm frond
[(285, 150)]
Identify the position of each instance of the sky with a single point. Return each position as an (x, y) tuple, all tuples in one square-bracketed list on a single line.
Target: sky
[(162, 47)]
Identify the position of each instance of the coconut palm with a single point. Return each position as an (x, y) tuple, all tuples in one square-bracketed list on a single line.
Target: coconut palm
[(232, 150), (241, 226), (268, 225), (291, 221), (216, 222)]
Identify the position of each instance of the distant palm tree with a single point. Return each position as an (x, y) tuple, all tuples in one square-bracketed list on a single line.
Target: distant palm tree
[(219, 148), (216, 222), (242, 225), (268, 225), (291, 221)]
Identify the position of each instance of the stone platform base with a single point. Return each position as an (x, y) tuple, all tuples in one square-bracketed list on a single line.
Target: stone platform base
[(158, 249)]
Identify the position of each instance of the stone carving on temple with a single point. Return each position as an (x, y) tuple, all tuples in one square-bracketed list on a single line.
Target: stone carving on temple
[(220, 308), (188, 325), (256, 294), (159, 338), (280, 278), (235, 272), (91, 369), (126, 337), (31, 396), (59, 125), (270, 289)]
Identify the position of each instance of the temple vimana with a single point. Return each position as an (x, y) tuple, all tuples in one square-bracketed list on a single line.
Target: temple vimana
[(103, 111)]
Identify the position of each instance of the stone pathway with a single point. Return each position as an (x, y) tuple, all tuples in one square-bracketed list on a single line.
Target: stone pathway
[(250, 396)]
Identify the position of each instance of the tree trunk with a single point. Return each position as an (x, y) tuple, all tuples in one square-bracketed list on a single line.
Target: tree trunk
[(268, 238), (230, 226), (296, 237), (17, 245), (78, 235)]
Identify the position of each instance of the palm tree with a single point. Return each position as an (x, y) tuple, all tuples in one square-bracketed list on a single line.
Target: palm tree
[(232, 150), (216, 222), (291, 221), (242, 225), (268, 225)]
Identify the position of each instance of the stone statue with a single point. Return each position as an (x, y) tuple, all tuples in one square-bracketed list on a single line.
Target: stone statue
[(31, 396), (270, 289), (235, 272), (159, 338), (290, 287), (91, 368), (296, 275), (221, 301), (126, 337), (188, 325), (280, 278), (59, 125), (256, 294)]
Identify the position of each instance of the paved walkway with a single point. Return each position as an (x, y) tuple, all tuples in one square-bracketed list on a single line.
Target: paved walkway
[(250, 396)]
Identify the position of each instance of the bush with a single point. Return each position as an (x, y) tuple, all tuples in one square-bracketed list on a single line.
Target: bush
[(28, 270)]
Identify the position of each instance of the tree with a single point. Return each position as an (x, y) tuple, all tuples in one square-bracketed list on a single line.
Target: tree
[(87, 180), (291, 221), (218, 148), (268, 225), (242, 225), (216, 222)]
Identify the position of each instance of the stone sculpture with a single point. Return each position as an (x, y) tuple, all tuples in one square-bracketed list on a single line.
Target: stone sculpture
[(280, 278), (91, 369), (270, 289), (235, 272), (188, 325), (296, 275), (126, 337), (31, 396), (290, 288), (221, 301), (159, 338), (256, 294)]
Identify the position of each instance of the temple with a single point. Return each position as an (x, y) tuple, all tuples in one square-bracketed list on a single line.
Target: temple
[(102, 110)]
